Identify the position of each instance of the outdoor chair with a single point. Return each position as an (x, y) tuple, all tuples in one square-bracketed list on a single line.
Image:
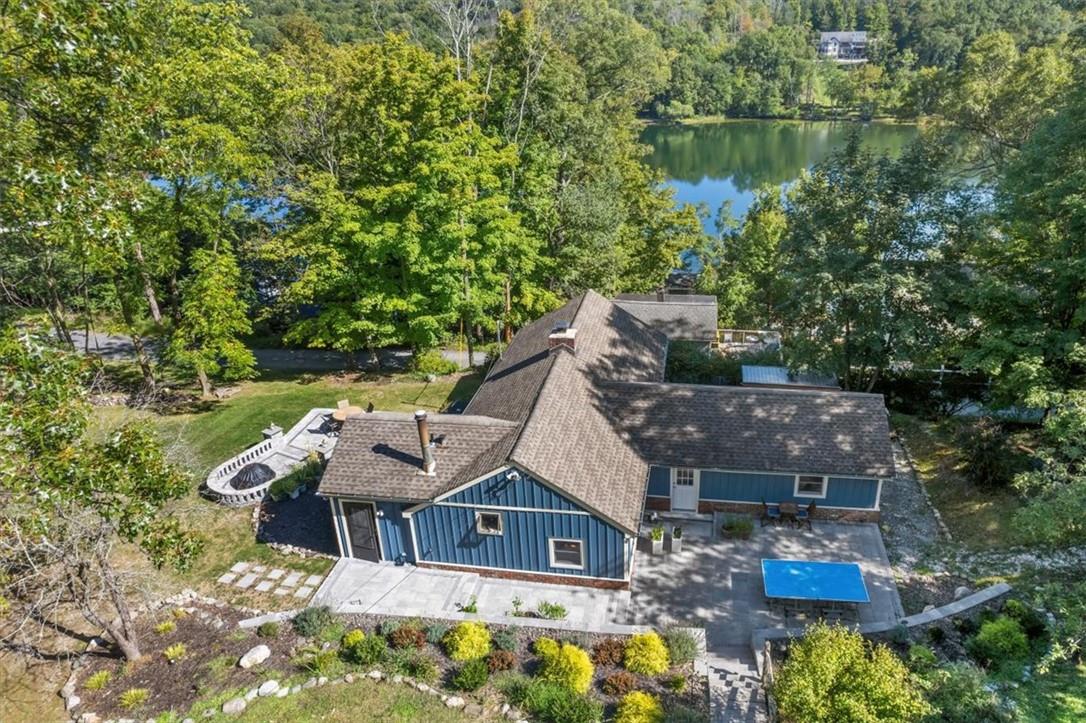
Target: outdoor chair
[(804, 515), (770, 513), (342, 403)]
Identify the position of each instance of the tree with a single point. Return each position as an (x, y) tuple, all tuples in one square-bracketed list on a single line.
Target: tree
[(212, 318), (832, 675), (70, 500)]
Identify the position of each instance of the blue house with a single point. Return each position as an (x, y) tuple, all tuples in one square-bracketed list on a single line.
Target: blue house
[(549, 471)]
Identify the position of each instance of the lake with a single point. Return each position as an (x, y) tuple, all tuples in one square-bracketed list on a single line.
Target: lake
[(715, 163)]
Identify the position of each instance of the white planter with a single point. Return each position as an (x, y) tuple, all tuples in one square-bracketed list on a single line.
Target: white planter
[(676, 544), (658, 546)]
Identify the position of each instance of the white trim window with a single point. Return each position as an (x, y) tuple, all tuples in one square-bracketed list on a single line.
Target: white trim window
[(489, 523), (567, 554), (684, 476), (811, 485)]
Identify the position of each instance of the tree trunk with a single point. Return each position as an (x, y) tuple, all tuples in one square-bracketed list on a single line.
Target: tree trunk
[(137, 341), (205, 383), (507, 326), (148, 288)]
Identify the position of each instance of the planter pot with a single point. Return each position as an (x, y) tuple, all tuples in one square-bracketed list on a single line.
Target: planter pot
[(658, 547), (676, 544)]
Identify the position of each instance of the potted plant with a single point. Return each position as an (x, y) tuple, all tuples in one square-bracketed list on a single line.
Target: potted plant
[(657, 536), (737, 527), (676, 539)]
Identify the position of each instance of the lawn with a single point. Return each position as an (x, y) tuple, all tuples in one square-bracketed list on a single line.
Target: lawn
[(978, 518), (1057, 697), (203, 435)]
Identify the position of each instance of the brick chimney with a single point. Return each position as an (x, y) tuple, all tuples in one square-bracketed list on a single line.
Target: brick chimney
[(563, 335), (428, 463)]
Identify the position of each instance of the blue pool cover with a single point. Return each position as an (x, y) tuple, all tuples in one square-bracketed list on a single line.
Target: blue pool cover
[(816, 581)]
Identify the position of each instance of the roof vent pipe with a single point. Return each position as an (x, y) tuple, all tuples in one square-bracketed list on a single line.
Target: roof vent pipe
[(428, 463)]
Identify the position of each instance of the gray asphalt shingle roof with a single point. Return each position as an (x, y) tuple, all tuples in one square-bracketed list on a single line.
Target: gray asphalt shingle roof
[(682, 317)]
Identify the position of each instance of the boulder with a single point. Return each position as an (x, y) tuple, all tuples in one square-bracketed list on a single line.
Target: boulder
[(282, 693), (89, 718), (349, 678), (268, 687), (928, 608), (251, 695), (72, 702), (454, 701), (255, 656), (311, 683), (234, 706), (961, 591)]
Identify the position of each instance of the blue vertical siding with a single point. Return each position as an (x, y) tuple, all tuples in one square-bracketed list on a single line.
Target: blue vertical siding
[(659, 482), (499, 491), (754, 487), (395, 534)]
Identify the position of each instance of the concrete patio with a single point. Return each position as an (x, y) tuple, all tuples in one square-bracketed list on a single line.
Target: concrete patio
[(717, 583)]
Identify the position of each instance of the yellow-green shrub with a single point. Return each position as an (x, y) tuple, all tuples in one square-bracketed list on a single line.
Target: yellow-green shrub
[(467, 641), (639, 707), (134, 698), (646, 654), (98, 681), (165, 627), (565, 664)]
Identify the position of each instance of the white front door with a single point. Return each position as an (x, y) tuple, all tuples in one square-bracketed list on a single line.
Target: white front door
[(684, 489)]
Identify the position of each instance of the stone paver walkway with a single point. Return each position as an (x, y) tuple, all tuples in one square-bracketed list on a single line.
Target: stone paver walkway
[(274, 580), (384, 588)]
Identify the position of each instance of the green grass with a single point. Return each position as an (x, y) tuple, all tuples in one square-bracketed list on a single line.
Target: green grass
[(1058, 697), (979, 518), (207, 433)]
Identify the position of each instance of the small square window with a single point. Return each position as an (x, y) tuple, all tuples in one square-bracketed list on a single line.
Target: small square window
[(567, 553), (808, 485), (488, 523), (684, 477)]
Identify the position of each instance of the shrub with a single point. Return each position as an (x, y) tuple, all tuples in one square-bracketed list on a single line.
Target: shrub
[(414, 664), (832, 674), (175, 652), (682, 647), (899, 634), (284, 487), (675, 683), (737, 526), (921, 658), (657, 533), (639, 707), (966, 626), (472, 675), (505, 640), (310, 622), (408, 638), (467, 641), (678, 713), (1000, 642), (499, 660), (97, 681), (958, 692), (362, 649), (134, 698), (609, 651), (317, 661), (551, 611), (268, 630), (179, 613), (388, 627), (936, 634), (471, 606), (432, 362), (619, 683), (988, 460), (646, 654), (165, 628), (565, 664), (551, 702), (435, 632), (1031, 620)]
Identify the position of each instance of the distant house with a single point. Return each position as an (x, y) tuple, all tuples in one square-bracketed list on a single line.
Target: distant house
[(782, 378), (573, 434), (844, 46)]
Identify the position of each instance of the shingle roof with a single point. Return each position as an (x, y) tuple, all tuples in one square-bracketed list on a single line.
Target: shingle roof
[(752, 429), (685, 317), (378, 454)]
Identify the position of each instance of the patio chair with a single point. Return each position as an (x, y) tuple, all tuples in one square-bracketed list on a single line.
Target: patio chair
[(804, 515), (342, 403), (770, 513)]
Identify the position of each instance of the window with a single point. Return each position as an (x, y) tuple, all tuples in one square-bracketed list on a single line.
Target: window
[(567, 553), (488, 523), (684, 477), (809, 485)]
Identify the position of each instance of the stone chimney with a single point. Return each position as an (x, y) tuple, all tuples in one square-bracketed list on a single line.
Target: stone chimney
[(428, 463), (563, 335)]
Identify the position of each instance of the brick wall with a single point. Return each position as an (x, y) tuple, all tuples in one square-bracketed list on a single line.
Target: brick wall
[(660, 504), (536, 577), (821, 513)]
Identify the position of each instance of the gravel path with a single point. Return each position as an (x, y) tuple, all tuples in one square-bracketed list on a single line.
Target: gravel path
[(909, 526)]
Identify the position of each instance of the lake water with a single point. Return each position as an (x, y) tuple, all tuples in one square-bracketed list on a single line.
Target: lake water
[(712, 164)]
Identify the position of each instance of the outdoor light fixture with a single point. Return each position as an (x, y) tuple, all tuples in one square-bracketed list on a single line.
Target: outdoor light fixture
[(512, 475)]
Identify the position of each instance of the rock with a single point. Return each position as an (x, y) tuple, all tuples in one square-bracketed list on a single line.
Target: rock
[(73, 701), (282, 693), (268, 687), (251, 695), (455, 701), (322, 680), (234, 706), (349, 678), (311, 683), (474, 710), (188, 720), (68, 690), (89, 718), (295, 689), (376, 674), (505, 708), (397, 679), (961, 591), (423, 687), (255, 656), (929, 608)]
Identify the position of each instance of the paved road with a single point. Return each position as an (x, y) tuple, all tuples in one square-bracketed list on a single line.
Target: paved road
[(117, 347)]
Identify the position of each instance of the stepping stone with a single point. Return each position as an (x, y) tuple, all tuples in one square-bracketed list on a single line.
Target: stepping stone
[(313, 580), (303, 591), (281, 591), (246, 581), (240, 567), (259, 568), (276, 574), (292, 579), (264, 586), (227, 578)]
